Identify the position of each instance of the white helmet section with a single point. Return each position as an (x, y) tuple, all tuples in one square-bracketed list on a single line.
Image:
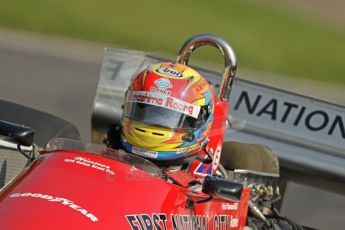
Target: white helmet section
[(164, 101)]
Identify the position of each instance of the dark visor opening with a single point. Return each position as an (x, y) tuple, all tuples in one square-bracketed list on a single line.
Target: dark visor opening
[(160, 116)]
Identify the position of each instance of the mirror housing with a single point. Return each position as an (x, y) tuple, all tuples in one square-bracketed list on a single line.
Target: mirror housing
[(226, 189), (17, 134)]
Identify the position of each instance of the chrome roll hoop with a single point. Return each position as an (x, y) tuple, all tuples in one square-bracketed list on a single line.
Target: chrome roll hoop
[(227, 52)]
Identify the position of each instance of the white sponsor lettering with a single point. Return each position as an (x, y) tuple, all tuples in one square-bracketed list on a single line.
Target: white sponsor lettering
[(158, 90), (91, 164), (216, 157), (227, 206), (164, 101), (234, 223), (61, 200), (185, 149), (144, 152)]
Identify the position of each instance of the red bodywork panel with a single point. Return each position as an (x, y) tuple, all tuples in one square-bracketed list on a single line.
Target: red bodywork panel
[(77, 190), (215, 143)]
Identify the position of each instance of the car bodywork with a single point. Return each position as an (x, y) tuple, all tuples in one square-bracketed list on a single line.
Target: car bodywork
[(91, 187), (262, 106)]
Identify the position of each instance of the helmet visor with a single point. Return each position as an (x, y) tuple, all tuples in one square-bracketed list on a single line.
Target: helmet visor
[(160, 116)]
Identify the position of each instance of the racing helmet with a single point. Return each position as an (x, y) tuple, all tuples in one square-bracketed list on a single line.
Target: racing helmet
[(167, 113)]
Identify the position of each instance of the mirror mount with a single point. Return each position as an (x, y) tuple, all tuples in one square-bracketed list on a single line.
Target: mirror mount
[(218, 187), (17, 134), (20, 136), (225, 189), (28, 155), (191, 203)]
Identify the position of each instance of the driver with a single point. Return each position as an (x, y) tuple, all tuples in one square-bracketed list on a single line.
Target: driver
[(167, 114)]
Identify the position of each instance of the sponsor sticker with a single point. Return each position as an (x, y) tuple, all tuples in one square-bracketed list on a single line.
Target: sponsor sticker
[(163, 83), (169, 72), (164, 101), (204, 169), (144, 152), (227, 206)]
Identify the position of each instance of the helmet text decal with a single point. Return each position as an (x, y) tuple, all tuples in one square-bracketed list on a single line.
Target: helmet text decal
[(164, 101), (144, 152)]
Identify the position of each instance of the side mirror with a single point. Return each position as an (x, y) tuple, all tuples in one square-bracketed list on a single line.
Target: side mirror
[(223, 188), (17, 134)]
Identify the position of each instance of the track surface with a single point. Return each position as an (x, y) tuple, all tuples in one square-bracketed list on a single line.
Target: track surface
[(51, 81), (63, 81)]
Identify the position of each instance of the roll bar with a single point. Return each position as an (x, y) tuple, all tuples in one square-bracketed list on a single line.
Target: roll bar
[(224, 47)]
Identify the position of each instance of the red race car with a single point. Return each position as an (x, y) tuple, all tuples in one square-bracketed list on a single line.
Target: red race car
[(73, 185)]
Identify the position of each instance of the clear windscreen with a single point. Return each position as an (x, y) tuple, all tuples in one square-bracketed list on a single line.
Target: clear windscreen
[(117, 155)]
